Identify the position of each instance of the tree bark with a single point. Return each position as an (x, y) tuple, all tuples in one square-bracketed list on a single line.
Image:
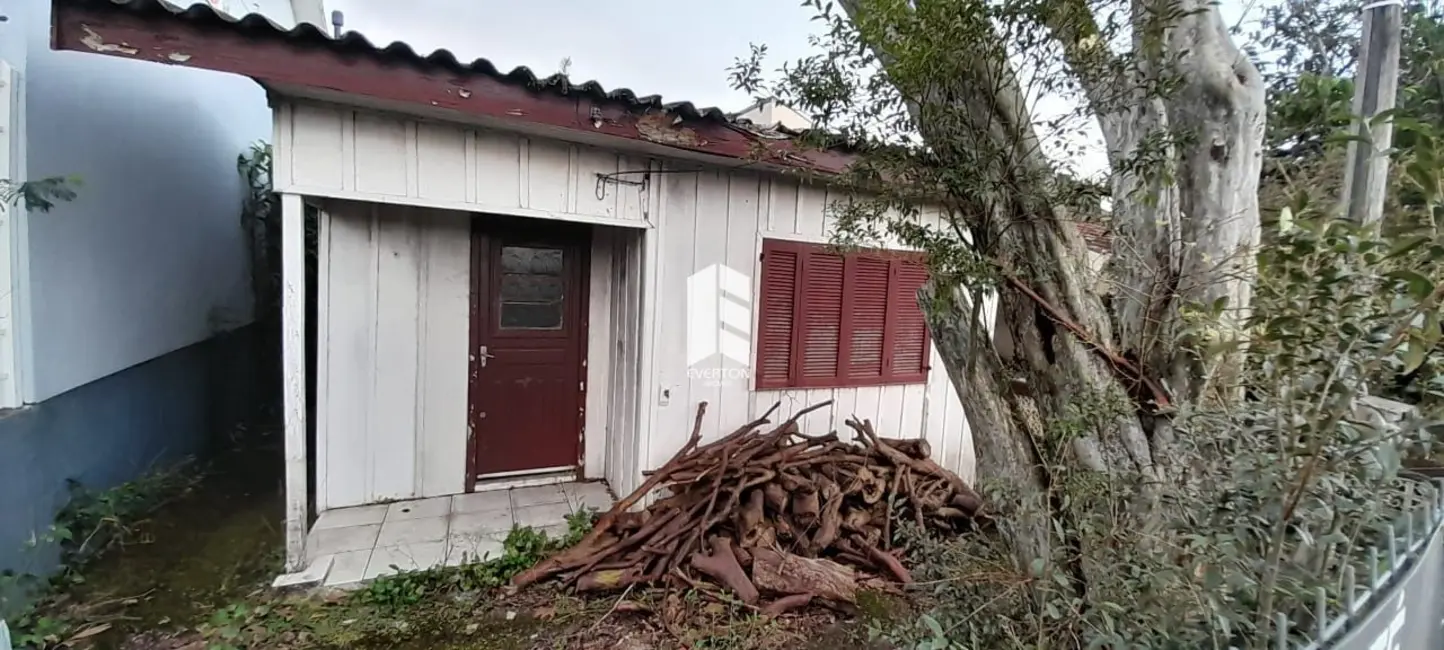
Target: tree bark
[(1183, 235)]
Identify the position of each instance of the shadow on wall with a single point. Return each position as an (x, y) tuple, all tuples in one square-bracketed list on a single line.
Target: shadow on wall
[(119, 427)]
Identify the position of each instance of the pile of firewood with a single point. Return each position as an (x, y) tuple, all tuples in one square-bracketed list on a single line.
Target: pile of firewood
[(772, 512)]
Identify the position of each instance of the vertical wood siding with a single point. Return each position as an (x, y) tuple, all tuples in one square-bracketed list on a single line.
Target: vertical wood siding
[(721, 217), (395, 286), (394, 313), (369, 156)]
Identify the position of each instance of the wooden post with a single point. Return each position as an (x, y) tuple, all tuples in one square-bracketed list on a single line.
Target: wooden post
[(293, 355), (1376, 84)]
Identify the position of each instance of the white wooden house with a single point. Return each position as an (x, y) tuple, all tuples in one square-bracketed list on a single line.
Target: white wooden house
[(525, 280)]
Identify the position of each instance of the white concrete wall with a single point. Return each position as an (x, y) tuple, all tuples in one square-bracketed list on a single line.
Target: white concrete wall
[(150, 257)]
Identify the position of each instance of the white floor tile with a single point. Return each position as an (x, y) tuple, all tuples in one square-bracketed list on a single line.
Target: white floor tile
[(537, 496), (471, 549), (385, 560), (357, 516), (420, 509), (493, 523), (348, 568), (337, 540), (412, 531), (542, 515), (481, 502), (588, 495)]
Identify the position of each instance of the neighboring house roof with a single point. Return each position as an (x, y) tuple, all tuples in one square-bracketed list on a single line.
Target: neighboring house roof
[(1096, 235)]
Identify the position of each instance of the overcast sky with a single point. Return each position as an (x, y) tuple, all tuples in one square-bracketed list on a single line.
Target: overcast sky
[(678, 50)]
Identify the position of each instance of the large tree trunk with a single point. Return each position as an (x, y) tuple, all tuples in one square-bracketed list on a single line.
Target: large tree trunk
[(1183, 235)]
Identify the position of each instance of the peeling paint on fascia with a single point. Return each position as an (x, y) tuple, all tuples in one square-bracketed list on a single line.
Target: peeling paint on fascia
[(94, 41), (178, 57)]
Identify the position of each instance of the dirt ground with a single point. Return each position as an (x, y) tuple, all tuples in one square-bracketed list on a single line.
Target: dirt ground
[(196, 579)]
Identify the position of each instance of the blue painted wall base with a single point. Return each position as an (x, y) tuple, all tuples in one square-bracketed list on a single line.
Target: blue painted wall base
[(117, 428)]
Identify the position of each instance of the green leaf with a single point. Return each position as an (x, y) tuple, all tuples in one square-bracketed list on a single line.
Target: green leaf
[(933, 625), (1414, 354), (1419, 286)]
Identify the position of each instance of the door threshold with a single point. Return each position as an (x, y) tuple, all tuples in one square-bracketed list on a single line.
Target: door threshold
[(525, 478)]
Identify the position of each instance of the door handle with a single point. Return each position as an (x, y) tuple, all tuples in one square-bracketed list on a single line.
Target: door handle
[(483, 356)]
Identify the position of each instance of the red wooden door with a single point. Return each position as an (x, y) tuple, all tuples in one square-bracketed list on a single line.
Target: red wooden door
[(528, 334)]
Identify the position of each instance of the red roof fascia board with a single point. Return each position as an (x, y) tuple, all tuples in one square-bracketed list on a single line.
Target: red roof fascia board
[(272, 59)]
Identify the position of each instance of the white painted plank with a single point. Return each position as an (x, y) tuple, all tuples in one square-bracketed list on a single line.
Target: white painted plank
[(621, 450), (629, 197), (393, 398), (442, 377), (673, 422), (441, 162), (351, 318), (498, 169), (599, 355), (323, 352), (284, 149), (592, 198), (910, 415), (708, 248), (315, 154), (381, 154), (293, 355), (810, 221), (549, 175), (867, 401), (743, 257)]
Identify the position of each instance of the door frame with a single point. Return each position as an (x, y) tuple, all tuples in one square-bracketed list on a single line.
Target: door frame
[(484, 228)]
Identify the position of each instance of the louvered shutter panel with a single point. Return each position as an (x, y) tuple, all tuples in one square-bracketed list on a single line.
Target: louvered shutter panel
[(821, 312), (775, 322), (909, 338), (868, 310)]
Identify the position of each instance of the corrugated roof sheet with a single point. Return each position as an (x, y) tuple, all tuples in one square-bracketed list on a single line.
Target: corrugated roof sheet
[(399, 52)]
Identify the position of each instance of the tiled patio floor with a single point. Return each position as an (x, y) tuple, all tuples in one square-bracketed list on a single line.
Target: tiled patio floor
[(365, 542)]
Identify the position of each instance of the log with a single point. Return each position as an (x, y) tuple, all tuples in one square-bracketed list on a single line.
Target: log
[(722, 566), (733, 504), (785, 604), (787, 574), (914, 447)]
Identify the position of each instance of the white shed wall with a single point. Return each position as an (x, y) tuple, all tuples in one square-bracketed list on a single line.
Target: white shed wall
[(394, 298), (370, 156), (721, 217), (393, 310)]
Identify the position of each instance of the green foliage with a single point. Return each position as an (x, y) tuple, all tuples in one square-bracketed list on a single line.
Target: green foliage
[(39, 195), (1288, 485), (522, 549), (90, 523)]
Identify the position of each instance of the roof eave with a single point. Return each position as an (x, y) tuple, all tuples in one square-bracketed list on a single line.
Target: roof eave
[(272, 59)]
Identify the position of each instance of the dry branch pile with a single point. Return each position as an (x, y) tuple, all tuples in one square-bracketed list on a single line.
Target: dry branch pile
[(771, 512)]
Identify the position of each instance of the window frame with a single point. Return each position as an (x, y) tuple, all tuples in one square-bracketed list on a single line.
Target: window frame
[(794, 380)]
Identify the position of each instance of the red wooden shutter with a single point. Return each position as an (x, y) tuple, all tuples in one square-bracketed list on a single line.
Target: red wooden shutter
[(868, 308), (776, 318), (909, 335), (821, 319)]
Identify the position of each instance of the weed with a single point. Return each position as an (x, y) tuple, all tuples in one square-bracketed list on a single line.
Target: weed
[(90, 523), (523, 548)]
